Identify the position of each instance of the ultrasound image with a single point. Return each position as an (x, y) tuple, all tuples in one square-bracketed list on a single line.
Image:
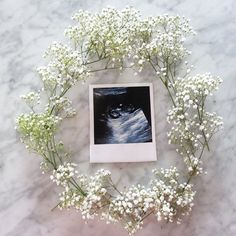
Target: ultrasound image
[(122, 115)]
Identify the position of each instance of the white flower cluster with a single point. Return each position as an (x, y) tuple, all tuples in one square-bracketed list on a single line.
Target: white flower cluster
[(88, 194), (193, 89), (165, 197), (175, 198), (193, 127), (96, 194), (62, 106), (109, 34), (133, 203), (31, 99), (63, 174), (115, 35), (37, 130), (64, 69), (167, 36)]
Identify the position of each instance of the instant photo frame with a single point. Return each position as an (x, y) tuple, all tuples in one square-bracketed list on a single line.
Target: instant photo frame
[(122, 124)]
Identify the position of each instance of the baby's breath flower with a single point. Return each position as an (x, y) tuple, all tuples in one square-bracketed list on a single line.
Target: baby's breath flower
[(37, 129), (62, 106), (31, 99), (63, 174), (192, 131), (115, 39), (65, 67)]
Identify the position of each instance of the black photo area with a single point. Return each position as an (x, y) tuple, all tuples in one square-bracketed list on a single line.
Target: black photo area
[(122, 115)]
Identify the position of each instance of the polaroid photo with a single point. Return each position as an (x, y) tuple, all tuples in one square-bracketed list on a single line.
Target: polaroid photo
[(122, 121)]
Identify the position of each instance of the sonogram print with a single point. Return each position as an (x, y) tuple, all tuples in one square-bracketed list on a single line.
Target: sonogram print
[(122, 115)]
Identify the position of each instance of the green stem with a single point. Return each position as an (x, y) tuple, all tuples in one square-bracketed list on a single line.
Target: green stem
[(52, 158), (75, 184), (61, 95), (114, 186), (55, 149), (200, 116), (145, 216)]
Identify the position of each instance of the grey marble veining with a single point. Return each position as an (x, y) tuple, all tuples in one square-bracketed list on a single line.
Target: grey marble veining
[(27, 27)]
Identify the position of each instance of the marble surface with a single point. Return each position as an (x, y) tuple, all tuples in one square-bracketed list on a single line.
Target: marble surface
[(27, 197)]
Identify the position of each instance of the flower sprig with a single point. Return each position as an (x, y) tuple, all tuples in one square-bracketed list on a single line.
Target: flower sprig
[(115, 39)]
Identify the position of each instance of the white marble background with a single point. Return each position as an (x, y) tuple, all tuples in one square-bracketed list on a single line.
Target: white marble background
[(27, 27)]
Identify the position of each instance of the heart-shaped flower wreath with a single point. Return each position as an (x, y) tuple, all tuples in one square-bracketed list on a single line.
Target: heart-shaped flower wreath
[(122, 39)]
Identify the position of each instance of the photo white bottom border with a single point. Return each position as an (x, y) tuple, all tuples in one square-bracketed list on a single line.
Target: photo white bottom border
[(130, 152)]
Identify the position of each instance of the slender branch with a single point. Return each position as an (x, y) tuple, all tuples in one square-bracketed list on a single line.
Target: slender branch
[(114, 186), (74, 183), (151, 212)]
